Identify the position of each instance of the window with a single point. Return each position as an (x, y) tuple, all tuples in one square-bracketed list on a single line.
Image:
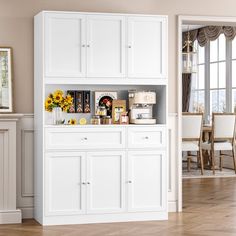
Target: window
[(218, 75), (214, 85)]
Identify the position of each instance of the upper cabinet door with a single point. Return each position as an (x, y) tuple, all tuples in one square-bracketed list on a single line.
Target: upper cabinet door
[(147, 47), (64, 45), (105, 46)]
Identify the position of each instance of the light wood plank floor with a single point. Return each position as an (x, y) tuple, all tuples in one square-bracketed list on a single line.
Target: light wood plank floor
[(209, 210)]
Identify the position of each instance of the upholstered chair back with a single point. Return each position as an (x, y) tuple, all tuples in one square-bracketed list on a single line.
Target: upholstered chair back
[(191, 125), (223, 125)]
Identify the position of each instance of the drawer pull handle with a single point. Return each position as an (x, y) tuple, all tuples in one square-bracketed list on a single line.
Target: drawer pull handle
[(85, 139)]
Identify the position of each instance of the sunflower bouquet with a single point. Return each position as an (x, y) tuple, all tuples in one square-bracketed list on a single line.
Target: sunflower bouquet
[(57, 99)]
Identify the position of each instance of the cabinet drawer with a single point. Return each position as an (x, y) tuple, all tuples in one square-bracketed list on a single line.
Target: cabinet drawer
[(146, 137), (81, 138)]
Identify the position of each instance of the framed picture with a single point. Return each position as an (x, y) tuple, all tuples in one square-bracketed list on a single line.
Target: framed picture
[(118, 108), (105, 98), (5, 79)]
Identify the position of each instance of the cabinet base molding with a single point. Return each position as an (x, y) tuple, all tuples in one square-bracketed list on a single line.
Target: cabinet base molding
[(105, 218), (10, 217), (28, 213)]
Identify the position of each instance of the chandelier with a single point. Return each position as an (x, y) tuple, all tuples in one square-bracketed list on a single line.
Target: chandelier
[(189, 56)]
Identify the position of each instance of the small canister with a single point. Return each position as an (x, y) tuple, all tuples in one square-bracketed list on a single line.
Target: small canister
[(95, 120), (101, 111), (124, 119), (106, 120)]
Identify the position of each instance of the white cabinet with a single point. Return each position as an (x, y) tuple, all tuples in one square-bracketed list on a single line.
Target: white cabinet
[(105, 182), (146, 181), (82, 181), (65, 183), (64, 45), (146, 47), (105, 46), (77, 184), (99, 173), (96, 182)]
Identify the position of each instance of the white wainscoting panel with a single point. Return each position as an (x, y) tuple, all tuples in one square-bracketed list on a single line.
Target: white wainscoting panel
[(25, 165), (9, 214), (4, 137), (172, 137)]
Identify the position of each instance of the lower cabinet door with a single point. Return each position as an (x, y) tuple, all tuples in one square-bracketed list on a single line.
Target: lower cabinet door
[(146, 181), (64, 183), (105, 182)]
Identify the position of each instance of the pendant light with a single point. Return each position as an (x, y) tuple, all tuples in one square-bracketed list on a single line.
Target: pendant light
[(189, 56)]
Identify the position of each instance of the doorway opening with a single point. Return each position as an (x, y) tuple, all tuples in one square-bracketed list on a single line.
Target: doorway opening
[(209, 89)]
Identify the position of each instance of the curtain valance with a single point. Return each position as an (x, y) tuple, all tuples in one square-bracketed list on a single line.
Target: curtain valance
[(210, 33)]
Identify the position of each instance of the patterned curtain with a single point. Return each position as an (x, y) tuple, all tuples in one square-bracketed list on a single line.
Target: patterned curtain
[(186, 91), (210, 33)]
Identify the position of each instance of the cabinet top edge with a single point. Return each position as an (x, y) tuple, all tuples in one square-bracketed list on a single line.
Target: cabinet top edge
[(155, 82), (103, 126), (103, 13)]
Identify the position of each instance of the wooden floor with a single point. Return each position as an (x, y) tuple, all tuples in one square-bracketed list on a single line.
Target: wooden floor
[(209, 210)]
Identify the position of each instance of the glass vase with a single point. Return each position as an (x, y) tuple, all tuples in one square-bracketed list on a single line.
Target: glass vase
[(57, 116)]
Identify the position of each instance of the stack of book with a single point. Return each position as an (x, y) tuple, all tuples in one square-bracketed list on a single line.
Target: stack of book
[(81, 101)]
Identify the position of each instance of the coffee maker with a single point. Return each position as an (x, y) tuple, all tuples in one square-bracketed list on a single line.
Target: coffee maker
[(141, 107)]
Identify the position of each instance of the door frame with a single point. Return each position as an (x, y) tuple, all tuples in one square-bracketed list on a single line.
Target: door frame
[(198, 20)]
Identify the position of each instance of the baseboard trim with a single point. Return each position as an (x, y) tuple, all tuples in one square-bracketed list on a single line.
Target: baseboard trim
[(10, 217), (27, 212), (172, 206)]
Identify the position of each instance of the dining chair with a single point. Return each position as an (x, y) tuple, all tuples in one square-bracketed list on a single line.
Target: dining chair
[(222, 138), (192, 136)]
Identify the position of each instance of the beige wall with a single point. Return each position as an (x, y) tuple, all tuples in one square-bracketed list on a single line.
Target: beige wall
[(16, 30)]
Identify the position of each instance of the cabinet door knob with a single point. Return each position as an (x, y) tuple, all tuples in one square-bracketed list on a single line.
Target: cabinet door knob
[(88, 182), (83, 45), (129, 46), (84, 138), (129, 182), (83, 183), (146, 137), (88, 46)]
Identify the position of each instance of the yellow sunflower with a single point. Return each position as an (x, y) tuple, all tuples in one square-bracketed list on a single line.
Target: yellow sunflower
[(64, 108), (58, 92), (57, 97), (48, 104), (72, 122), (48, 101), (69, 99)]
